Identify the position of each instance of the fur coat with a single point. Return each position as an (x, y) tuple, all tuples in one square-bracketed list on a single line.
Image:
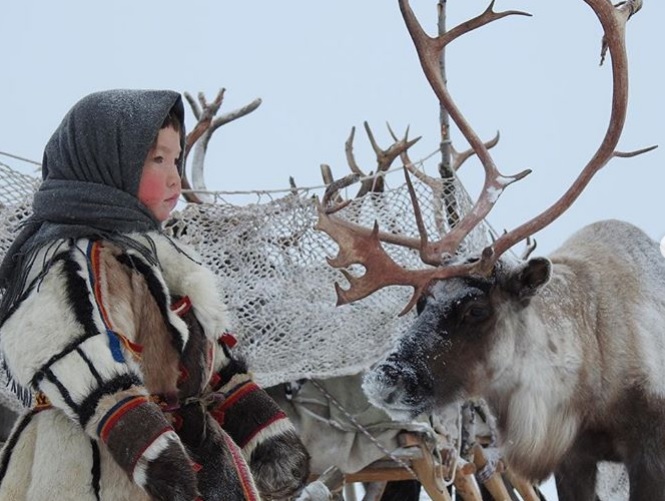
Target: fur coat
[(101, 341)]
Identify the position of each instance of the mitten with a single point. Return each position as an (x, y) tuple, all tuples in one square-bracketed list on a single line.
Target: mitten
[(143, 443), (277, 457), (222, 472)]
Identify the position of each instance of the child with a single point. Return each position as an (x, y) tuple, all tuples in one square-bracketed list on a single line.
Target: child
[(114, 327)]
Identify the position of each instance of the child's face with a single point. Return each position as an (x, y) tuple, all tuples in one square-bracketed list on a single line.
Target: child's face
[(159, 188)]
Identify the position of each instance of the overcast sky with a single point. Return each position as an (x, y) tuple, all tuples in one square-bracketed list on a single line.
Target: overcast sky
[(323, 67)]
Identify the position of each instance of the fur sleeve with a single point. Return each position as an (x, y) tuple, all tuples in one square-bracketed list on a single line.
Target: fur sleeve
[(58, 342)]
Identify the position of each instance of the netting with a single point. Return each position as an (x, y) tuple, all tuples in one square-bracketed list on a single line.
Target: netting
[(14, 186), (612, 482), (273, 274), (273, 271)]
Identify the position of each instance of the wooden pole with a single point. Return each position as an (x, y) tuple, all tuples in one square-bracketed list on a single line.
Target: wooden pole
[(446, 170)]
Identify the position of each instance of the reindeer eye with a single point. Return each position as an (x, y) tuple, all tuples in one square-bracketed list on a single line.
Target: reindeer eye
[(477, 313)]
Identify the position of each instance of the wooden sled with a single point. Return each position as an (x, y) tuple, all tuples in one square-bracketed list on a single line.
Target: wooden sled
[(433, 476)]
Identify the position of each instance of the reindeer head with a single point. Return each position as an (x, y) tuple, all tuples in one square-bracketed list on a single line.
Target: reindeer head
[(444, 355), (464, 305)]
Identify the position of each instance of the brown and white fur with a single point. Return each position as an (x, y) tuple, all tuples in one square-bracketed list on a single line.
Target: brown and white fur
[(568, 351)]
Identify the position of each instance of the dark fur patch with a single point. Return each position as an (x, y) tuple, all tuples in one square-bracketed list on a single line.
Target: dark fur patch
[(280, 465), (235, 366), (118, 383), (218, 479), (171, 477), (96, 471), (194, 357)]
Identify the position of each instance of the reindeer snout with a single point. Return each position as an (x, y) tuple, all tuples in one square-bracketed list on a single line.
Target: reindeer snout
[(382, 385), (394, 388)]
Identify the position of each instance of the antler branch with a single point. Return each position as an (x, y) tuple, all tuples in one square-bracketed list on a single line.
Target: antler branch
[(363, 246), (613, 20), (357, 246), (458, 158), (429, 50), (204, 113), (199, 138)]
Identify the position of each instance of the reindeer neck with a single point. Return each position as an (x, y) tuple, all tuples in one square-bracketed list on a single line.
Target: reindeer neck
[(538, 348)]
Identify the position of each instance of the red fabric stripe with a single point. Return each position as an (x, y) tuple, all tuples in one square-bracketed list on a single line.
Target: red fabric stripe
[(148, 444), (243, 471), (181, 306), (228, 339), (278, 415), (133, 347), (113, 418), (237, 394)]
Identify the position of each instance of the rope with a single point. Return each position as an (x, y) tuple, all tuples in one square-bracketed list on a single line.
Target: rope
[(307, 189), (362, 429), (22, 159)]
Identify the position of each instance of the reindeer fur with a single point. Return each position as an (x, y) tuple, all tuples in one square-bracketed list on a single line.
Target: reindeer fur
[(569, 352)]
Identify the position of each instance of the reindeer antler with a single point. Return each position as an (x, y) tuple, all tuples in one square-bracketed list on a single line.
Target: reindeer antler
[(361, 246), (199, 137), (613, 20)]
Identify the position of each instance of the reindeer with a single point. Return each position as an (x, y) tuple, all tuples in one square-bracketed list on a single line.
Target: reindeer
[(568, 350)]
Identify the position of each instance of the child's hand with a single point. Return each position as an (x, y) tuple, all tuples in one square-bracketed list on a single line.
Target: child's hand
[(143, 443), (223, 474), (277, 457), (170, 475)]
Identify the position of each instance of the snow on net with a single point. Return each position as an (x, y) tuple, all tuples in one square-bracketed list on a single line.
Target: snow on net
[(273, 274), (14, 186)]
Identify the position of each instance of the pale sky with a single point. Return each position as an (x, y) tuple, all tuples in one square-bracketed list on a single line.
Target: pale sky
[(323, 67)]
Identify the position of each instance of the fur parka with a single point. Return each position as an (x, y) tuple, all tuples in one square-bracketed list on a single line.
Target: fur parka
[(100, 340)]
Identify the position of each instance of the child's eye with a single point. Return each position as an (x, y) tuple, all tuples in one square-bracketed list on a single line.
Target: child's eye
[(158, 160)]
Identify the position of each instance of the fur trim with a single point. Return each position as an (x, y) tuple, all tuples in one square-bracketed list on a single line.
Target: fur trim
[(152, 452), (278, 426), (186, 276)]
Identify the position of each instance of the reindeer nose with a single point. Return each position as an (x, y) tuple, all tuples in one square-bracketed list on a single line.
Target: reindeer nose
[(391, 396), (390, 373), (389, 383)]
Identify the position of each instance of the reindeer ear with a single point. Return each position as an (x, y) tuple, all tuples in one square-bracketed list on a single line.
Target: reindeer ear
[(527, 279)]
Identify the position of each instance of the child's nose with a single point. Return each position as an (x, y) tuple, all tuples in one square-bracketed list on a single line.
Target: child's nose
[(174, 176)]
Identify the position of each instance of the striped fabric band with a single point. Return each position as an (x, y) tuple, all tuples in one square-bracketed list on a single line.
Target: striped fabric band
[(131, 428), (115, 338), (239, 392), (247, 399), (246, 479), (116, 412)]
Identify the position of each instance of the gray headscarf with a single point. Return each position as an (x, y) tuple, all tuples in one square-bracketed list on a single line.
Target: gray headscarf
[(91, 172)]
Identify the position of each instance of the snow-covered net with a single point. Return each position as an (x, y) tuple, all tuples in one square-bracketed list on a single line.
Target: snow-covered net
[(612, 482), (14, 186), (273, 273), (273, 270)]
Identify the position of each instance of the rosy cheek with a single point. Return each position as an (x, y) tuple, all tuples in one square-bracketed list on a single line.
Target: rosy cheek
[(149, 189)]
